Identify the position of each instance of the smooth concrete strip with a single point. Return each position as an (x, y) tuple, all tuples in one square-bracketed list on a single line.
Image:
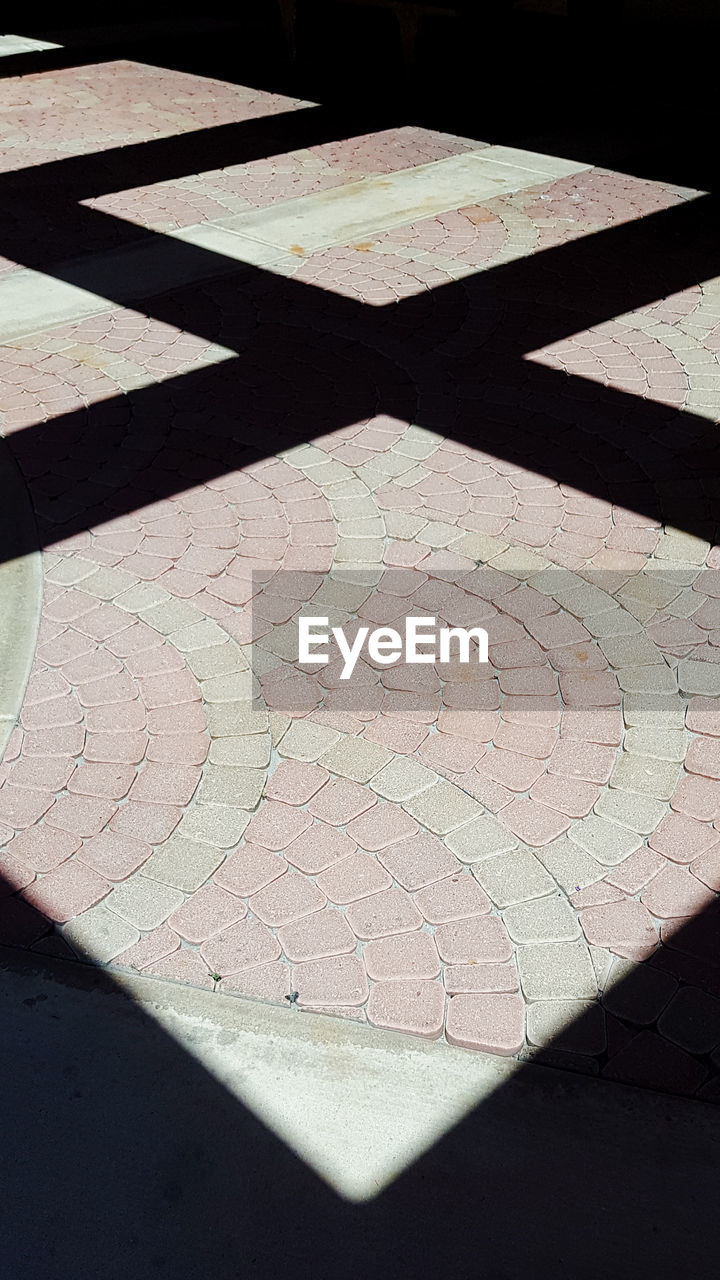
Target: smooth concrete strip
[(32, 301), (364, 208), (21, 585), (10, 45)]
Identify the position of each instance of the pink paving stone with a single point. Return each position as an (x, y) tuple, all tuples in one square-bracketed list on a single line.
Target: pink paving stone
[(165, 784), (289, 898), (178, 748), (55, 714), (208, 911), (111, 781), (150, 822), (601, 725), (675, 893), (182, 966), (397, 735), (108, 691), (703, 716), (265, 982), (356, 877), (276, 825), (154, 946), (493, 1023), (249, 870), (340, 801), (455, 898), (512, 770), (49, 774), (409, 1005), (294, 782), (69, 606), (318, 848), (469, 979), (448, 754), (126, 717), (534, 682), (242, 946), (80, 815), (703, 757), (697, 797), (153, 662), (480, 940), (533, 823), (419, 861), (103, 622), (409, 955), (682, 838), (67, 647), (384, 825), (325, 933), (67, 891), (590, 689), (14, 875), (596, 895), (526, 740), (42, 848), (568, 795), (169, 690), (557, 629), (115, 748), (334, 980), (114, 856), (66, 740), (636, 871), (588, 761), (542, 713), (626, 928), (707, 868), (188, 718), (20, 807), (390, 911), (44, 685)]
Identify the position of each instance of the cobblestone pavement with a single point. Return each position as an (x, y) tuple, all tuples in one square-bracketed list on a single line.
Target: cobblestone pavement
[(501, 414)]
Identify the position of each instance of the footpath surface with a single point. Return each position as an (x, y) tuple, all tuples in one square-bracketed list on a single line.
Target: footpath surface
[(366, 378)]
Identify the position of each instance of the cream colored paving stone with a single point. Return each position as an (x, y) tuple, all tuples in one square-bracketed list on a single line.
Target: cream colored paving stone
[(519, 562), (576, 1025), (212, 824), (358, 550), (338, 594), (252, 750), (199, 635), (583, 599), (183, 863), (307, 741), (402, 526), (514, 877), (480, 546), (282, 641), (648, 589), (170, 616), (674, 544), (146, 595), (355, 758), (572, 867), (362, 527), (670, 745), (699, 677), (142, 902), (484, 837), (637, 812), (418, 450), (71, 570), (106, 584), (242, 686), (611, 623), (354, 508), (557, 971), (401, 779), (229, 785), (646, 776), (229, 719), (605, 841), (653, 711), (549, 919), (602, 963), (279, 725), (100, 934), (259, 661), (438, 534), (219, 660), (408, 479), (442, 807), (659, 679), (631, 651)]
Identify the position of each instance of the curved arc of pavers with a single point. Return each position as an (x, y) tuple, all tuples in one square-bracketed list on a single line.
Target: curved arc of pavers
[(685, 342)]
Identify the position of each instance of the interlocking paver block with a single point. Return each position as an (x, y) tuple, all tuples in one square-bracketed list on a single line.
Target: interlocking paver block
[(549, 919), (142, 902), (493, 1023), (249, 869), (418, 861), (480, 979), (556, 971), (288, 898), (454, 898), (67, 891), (206, 912), (182, 863), (242, 946), (334, 980), (575, 1025), (325, 933), (341, 800), (388, 912), (410, 1005), (442, 808), (100, 934), (513, 877)]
